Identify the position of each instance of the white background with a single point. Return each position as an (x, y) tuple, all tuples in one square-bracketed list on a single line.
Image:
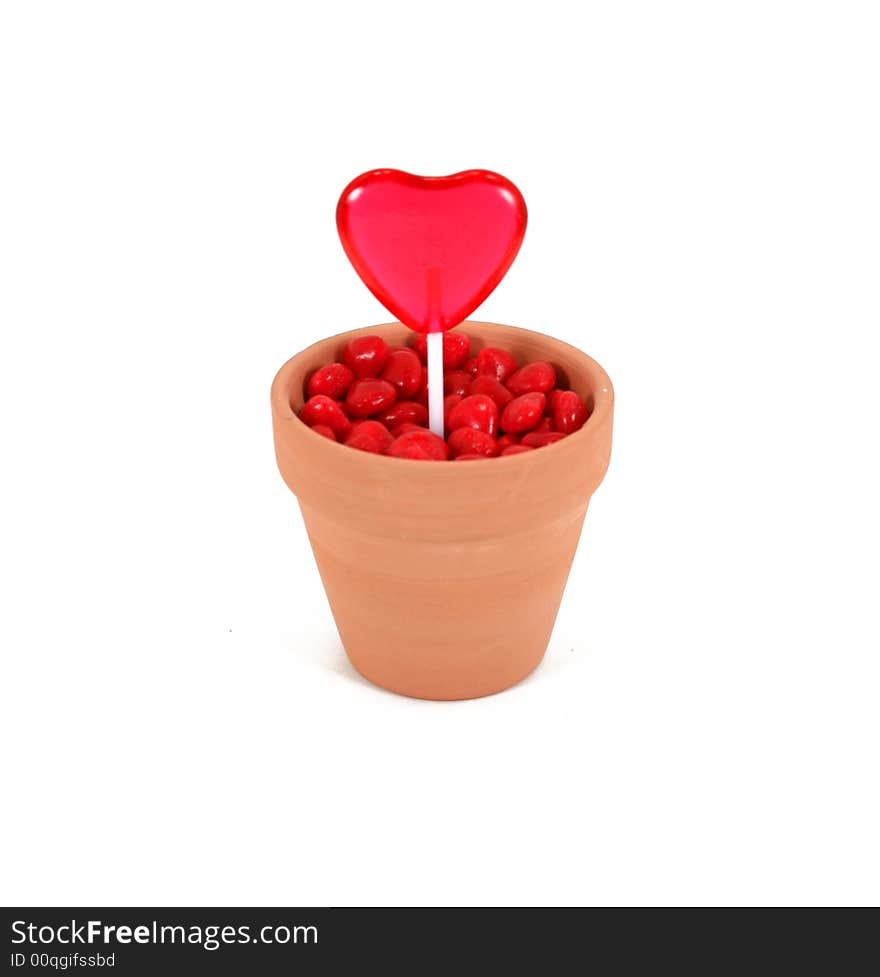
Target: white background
[(180, 725)]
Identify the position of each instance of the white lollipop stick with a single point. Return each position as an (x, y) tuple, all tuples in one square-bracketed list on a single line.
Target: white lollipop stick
[(435, 383)]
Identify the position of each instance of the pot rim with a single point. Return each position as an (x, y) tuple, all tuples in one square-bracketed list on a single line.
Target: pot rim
[(602, 393)]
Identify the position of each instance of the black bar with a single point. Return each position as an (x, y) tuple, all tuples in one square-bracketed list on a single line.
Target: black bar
[(263, 941)]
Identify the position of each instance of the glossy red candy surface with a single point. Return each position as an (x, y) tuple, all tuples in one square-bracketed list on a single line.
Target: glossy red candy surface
[(320, 409), (569, 412), (449, 401), (324, 431), (457, 382), (404, 372), (494, 362), (365, 356), (419, 446), (369, 436), (538, 377), (552, 396), (456, 349), (493, 406), (332, 381), (403, 412), (470, 441), (421, 395), (537, 439), (366, 397), (406, 426), (477, 411), (484, 384), (507, 441), (523, 413)]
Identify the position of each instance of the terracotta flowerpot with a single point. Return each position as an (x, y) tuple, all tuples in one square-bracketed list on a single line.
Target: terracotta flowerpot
[(444, 578)]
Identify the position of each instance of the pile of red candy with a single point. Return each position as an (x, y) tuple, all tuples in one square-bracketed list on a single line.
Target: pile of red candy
[(376, 400)]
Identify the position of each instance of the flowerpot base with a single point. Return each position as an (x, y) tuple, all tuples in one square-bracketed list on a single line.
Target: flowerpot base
[(466, 622), (418, 691)]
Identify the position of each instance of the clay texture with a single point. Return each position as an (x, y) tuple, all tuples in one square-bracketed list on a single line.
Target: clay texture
[(445, 578)]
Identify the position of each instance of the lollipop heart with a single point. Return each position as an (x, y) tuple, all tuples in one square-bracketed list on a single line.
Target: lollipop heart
[(431, 248)]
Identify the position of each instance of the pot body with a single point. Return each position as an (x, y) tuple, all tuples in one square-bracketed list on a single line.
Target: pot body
[(444, 579)]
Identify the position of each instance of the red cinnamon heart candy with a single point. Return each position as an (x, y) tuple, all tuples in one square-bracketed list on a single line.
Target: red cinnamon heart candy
[(369, 436), (456, 349), (569, 412), (522, 413), (470, 441), (533, 377), (478, 411), (484, 384), (537, 439), (369, 396), (403, 412), (419, 446), (431, 248)]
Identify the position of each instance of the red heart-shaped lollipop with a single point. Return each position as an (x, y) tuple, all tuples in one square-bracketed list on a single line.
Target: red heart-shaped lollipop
[(431, 248)]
